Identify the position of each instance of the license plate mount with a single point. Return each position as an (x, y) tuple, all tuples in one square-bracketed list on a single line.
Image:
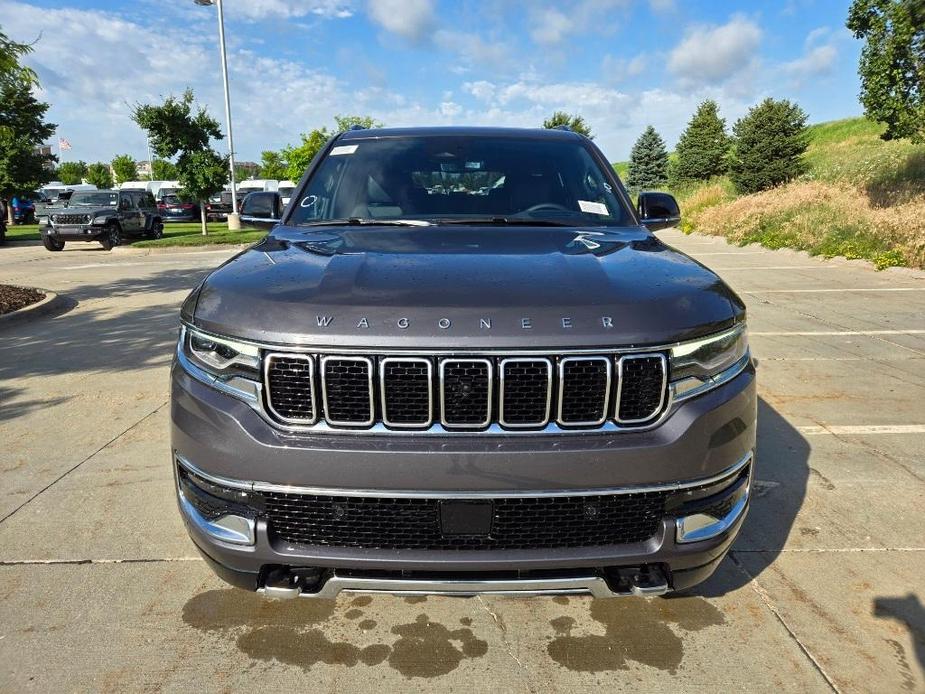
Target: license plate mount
[(466, 517)]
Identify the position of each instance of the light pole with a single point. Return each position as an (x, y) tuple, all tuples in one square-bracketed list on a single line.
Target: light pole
[(234, 221)]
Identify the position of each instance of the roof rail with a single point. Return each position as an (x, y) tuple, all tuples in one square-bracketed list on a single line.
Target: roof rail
[(357, 126), (564, 126)]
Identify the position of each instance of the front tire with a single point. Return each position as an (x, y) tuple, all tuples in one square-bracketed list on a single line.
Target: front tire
[(157, 230), (112, 237), (52, 244)]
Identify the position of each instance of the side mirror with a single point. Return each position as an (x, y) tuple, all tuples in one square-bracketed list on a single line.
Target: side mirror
[(658, 211), (261, 209)]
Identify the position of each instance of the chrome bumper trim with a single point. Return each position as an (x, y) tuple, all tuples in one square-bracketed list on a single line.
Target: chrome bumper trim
[(235, 530), (595, 586), (443, 494), (702, 526)]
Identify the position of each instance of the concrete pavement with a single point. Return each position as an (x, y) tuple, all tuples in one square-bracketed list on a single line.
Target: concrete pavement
[(101, 590)]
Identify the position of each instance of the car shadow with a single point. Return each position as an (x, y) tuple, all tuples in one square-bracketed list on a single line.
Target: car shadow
[(778, 490), (909, 612)]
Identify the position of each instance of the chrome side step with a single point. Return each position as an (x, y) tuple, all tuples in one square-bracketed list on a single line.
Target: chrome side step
[(596, 586)]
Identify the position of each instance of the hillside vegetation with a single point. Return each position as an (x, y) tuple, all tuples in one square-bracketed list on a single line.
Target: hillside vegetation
[(862, 197)]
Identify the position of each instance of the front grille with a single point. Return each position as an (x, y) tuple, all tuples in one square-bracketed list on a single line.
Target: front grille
[(414, 523), (641, 387), (290, 392), (347, 386), (71, 218), (466, 392), (525, 392), (471, 393)]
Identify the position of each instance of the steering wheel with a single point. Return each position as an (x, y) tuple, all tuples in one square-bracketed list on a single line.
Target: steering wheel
[(545, 206)]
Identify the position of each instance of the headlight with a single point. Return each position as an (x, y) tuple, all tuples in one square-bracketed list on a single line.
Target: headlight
[(98, 220), (54, 218), (700, 365), (221, 356)]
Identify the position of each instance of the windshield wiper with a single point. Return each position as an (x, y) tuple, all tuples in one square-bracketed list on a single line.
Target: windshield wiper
[(359, 221), (508, 221)]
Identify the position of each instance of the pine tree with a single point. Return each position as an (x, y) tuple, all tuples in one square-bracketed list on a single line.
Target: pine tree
[(768, 146), (648, 162), (703, 146)]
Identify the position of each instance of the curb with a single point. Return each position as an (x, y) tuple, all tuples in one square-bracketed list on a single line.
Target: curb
[(53, 303)]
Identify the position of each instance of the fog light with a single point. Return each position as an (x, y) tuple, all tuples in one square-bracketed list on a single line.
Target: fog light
[(709, 522), (237, 530)]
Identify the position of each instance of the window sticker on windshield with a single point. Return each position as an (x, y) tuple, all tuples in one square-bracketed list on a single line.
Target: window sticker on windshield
[(344, 149), (593, 207)]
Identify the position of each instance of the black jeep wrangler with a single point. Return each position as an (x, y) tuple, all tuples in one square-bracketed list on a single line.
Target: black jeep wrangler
[(106, 216)]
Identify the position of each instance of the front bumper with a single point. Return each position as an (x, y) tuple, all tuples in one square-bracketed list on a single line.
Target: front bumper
[(76, 232), (709, 438)]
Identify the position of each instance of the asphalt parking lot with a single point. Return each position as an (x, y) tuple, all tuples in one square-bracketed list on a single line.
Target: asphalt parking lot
[(100, 589)]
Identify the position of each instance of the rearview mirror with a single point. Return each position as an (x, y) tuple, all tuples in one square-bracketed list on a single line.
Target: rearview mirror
[(658, 211), (262, 209)]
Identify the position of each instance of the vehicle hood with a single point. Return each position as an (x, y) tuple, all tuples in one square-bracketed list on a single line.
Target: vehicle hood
[(92, 210), (462, 287)]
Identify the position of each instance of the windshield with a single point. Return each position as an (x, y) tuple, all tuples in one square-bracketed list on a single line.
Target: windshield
[(286, 191), (459, 178), (95, 198)]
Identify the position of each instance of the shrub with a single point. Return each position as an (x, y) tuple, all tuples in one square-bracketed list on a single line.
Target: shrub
[(769, 143)]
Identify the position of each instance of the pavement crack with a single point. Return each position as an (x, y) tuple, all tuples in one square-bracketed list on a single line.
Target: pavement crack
[(77, 562), (769, 603), (74, 467), (499, 622)]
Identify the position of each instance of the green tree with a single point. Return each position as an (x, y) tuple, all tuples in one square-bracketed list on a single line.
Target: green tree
[(72, 172), (124, 168), (242, 173), (575, 122), (892, 66), (163, 170), (12, 72), (98, 174), (768, 146), (300, 156), (703, 147), (272, 165), (648, 166), (175, 131)]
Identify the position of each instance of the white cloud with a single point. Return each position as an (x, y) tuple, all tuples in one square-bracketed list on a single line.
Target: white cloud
[(819, 56), (714, 54), (550, 26), (410, 19), (285, 9), (618, 69), (471, 50), (450, 108)]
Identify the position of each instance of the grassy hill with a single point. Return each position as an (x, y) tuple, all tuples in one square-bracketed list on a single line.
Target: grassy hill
[(861, 197)]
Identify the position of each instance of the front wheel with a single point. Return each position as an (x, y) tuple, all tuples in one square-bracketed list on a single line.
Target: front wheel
[(157, 230), (52, 244), (112, 237)]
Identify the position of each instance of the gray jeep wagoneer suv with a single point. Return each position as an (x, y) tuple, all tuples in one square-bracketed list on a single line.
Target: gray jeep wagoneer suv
[(462, 362)]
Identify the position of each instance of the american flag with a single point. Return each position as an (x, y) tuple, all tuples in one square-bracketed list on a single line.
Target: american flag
[(63, 144)]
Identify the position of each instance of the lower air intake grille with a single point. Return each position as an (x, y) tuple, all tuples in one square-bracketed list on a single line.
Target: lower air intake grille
[(413, 523), (466, 396), (348, 390), (290, 394), (641, 387)]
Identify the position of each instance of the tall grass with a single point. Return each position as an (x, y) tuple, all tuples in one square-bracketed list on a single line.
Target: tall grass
[(862, 197)]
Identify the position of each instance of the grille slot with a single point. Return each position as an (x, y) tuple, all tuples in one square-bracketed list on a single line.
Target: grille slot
[(291, 387), (640, 387), (347, 388), (525, 392), (413, 523), (72, 219), (407, 394), (465, 393), (584, 390)]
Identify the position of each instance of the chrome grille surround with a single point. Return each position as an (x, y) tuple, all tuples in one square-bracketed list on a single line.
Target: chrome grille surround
[(443, 393), (268, 361), (502, 381), (331, 359), (564, 362), (621, 363), (383, 388)]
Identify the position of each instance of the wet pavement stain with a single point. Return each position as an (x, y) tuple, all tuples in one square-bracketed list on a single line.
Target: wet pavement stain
[(426, 649), (466, 621), (560, 600), (636, 630), (307, 648), (292, 632), (415, 599)]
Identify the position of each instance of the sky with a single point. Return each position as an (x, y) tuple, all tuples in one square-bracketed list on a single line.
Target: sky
[(295, 64)]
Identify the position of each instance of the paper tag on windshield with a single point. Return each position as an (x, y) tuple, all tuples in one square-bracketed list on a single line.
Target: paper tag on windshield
[(593, 207), (344, 149)]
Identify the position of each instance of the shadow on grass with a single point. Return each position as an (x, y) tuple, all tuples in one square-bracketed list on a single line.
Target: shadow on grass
[(900, 185)]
